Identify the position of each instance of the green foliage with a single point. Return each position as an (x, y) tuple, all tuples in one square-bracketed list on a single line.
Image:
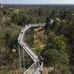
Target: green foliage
[(61, 42), (59, 36), (6, 57), (55, 53), (39, 46), (17, 18)]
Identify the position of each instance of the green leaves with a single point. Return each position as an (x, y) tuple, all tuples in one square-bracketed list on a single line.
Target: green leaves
[(61, 42), (39, 46)]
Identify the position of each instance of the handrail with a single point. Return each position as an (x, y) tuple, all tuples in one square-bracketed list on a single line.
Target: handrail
[(39, 69), (30, 69), (37, 66)]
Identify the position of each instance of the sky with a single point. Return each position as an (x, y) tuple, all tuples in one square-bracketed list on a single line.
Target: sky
[(36, 1)]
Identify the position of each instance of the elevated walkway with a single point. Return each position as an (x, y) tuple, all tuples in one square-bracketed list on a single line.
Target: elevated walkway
[(37, 65)]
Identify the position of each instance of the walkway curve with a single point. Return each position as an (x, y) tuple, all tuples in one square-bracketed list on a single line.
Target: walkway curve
[(37, 65)]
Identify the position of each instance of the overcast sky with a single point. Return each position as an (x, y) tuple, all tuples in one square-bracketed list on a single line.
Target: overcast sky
[(36, 1)]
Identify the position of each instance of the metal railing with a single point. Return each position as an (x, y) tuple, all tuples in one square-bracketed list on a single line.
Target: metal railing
[(31, 69), (37, 66)]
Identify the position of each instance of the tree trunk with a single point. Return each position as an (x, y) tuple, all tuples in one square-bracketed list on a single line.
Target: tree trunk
[(55, 69)]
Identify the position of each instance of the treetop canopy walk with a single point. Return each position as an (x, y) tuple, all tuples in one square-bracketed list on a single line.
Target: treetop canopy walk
[(37, 65)]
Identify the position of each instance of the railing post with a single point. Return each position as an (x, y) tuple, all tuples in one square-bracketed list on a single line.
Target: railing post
[(19, 57), (23, 59)]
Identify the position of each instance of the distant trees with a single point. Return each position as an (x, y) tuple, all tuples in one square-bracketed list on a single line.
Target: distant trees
[(22, 18), (31, 16)]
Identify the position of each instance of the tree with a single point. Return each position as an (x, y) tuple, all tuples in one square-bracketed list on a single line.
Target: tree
[(55, 53)]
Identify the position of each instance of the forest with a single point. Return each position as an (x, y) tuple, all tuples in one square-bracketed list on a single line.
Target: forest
[(55, 42)]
